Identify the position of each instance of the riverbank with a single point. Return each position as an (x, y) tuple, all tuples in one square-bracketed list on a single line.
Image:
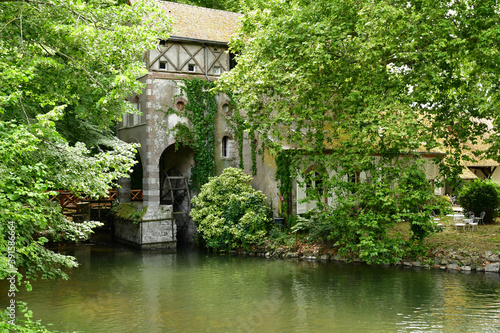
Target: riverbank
[(452, 248)]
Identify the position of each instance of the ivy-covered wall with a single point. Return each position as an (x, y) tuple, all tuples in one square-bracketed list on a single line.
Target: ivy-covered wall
[(199, 122)]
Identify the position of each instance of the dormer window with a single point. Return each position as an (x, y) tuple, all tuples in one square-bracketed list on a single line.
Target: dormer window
[(191, 68)]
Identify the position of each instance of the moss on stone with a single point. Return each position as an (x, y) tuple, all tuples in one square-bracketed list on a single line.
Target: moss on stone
[(130, 211)]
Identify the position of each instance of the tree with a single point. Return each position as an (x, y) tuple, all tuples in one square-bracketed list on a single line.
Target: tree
[(66, 68), (373, 83), (238, 6)]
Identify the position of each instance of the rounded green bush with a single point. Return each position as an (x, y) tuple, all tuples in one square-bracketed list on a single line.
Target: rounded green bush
[(229, 213), (481, 195)]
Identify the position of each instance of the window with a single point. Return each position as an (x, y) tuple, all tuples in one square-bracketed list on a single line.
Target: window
[(163, 65), (132, 119), (354, 177), (232, 60), (136, 120), (311, 189), (316, 182), (125, 120), (216, 70), (226, 109), (180, 105), (137, 105), (225, 146), (191, 68)]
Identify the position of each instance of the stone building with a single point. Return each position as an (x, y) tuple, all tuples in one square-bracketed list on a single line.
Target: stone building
[(197, 48)]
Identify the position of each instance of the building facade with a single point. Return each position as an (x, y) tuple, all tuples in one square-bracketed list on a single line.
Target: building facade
[(197, 48)]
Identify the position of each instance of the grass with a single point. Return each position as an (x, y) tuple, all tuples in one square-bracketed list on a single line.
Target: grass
[(483, 238), (466, 242)]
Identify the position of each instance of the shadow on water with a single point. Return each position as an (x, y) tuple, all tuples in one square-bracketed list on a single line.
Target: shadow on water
[(121, 289)]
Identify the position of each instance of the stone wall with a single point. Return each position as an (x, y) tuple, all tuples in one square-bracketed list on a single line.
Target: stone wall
[(157, 231)]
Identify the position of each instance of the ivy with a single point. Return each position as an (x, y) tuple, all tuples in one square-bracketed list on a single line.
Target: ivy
[(200, 111), (253, 148), (238, 125), (284, 159)]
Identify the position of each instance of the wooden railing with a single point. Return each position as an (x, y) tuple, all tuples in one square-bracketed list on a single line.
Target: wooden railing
[(69, 200), (136, 195)]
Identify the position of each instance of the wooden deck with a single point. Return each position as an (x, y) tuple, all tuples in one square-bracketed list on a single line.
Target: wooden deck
[(69, 200)]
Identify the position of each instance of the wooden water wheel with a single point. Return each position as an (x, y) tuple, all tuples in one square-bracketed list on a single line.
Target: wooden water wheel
[(174, 190)]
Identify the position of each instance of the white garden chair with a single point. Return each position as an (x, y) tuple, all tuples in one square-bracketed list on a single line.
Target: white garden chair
[(435, 219), (480, 218), (470, 220), (459, 222)]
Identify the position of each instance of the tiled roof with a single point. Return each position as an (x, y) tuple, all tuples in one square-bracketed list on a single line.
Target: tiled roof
[(201, 23), (467, 174), (481, 146)]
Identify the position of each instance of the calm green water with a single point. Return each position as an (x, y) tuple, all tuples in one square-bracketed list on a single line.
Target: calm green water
[(121, 290)]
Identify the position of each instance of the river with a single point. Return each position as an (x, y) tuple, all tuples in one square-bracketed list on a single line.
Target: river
[(119, 289)]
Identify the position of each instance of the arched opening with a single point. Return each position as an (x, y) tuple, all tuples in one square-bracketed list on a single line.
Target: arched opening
[(175, 170), (136, 179), (136, 175)]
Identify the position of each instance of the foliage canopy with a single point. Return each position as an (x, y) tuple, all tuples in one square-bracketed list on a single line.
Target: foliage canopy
[(65, 70), (367, 88)]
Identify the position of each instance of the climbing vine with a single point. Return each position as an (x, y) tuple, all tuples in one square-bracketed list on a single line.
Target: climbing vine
[(284, 160), (200, 111), (238, 125), (253, 148)]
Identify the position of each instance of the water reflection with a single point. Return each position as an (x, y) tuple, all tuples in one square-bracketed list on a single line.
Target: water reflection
[(123, 290)]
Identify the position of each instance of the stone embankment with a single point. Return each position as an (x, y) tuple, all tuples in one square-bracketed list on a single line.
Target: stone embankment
[(439, 259)]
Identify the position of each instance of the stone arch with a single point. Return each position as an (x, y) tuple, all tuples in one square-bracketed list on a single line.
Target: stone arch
[(137, 173), (175, 170), (135, 179)]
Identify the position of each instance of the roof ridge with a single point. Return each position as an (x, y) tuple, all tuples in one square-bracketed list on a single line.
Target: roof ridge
[(211, 9)]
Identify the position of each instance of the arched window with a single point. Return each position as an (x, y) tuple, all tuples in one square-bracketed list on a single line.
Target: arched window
[(225, 109), (225, 146)]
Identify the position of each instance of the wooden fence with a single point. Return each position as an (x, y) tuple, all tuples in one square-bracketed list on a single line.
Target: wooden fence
[(69, 200)]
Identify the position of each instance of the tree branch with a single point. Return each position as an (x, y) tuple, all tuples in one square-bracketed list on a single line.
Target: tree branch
[(72, 60), (78, 14)]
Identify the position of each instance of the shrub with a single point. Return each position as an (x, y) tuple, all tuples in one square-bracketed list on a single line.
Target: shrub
[(441, 205), (481, 195), (229, 213)]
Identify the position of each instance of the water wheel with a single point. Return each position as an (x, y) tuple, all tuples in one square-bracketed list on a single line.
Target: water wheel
[(174, 190)]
